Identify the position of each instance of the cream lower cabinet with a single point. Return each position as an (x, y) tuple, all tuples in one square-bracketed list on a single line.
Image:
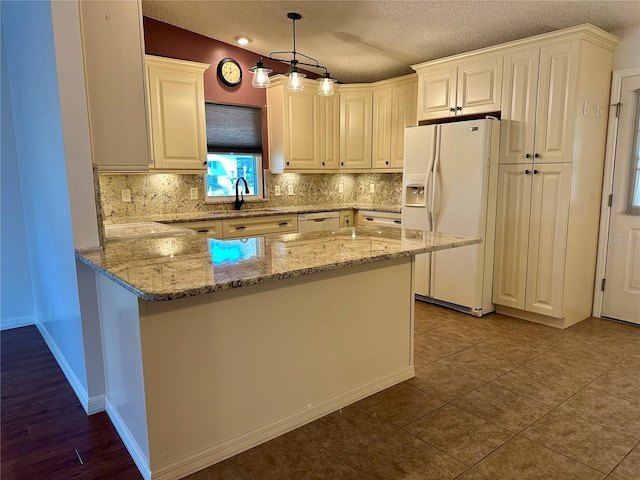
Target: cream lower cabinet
[(303, 128), (176, 114), (531, 237), (459, 87)]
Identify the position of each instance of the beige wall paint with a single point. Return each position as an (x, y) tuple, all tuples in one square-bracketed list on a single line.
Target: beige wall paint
[(627, 54)]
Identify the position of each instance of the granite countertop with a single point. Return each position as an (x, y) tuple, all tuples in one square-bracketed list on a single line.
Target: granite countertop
[(252, 212), (175, 267)]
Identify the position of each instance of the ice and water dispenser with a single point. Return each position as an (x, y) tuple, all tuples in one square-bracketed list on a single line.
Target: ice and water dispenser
[(415, 190)]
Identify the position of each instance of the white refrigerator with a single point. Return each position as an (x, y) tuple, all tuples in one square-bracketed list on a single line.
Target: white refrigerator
[(450, 185)]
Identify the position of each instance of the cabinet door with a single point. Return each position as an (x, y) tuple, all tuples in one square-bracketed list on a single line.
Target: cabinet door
[(355, 129), (437, 93), (403, 115), (301, 127), (382, 112), (519, 89), (115, 95), (550, 196), (329, 133), (479, 86), (557, 87), (177, 119), (512, 235)]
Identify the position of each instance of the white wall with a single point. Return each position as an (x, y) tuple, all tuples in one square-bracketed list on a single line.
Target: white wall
[(627, 54), (16, 296), (27, 36)]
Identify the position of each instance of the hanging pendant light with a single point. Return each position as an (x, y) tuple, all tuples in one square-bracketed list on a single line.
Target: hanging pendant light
[(260, 75), (326, 85), (295, 83)]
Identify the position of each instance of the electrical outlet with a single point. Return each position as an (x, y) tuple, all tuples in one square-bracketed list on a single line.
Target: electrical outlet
[(341, 188), (290, 189), (126, 195), (194, 193), (277, 191), (372, 188)]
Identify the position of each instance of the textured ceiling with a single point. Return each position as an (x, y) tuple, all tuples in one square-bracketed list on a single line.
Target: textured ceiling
[(365, 41)]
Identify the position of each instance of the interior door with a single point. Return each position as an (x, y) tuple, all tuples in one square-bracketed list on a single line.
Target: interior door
[(622, 273)]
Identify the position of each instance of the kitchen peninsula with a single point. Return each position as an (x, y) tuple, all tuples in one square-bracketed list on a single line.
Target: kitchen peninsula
[(214, 346)]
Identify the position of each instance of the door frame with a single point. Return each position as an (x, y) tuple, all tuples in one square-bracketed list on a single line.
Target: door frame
[(607, 185)]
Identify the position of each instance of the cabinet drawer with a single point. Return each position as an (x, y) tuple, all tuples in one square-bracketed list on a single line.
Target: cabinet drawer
[(250, 227), (211, 228), (382, 219)]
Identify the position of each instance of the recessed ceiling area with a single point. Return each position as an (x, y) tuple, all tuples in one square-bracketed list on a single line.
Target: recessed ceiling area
[(366, 41)]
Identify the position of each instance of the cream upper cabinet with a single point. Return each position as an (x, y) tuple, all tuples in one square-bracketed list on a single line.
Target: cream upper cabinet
[(355, 127), (531, 237), (394, 108), (539, 102), (115, 95), (176, 114), (303, 128), (459, 87)]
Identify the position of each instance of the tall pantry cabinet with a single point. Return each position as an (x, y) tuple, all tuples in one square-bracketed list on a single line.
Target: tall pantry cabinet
[(553, 130)]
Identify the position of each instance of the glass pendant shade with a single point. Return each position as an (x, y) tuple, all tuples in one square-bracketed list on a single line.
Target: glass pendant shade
[(326, 86), (260, 75), (295, 81)]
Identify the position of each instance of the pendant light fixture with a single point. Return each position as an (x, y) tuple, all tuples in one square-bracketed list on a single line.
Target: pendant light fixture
[(295, 84)]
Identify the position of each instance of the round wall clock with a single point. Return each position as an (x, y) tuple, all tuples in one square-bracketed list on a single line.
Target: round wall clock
[(229, 72)]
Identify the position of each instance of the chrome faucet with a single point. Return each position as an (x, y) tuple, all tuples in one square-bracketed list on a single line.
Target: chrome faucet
[(240, 201)]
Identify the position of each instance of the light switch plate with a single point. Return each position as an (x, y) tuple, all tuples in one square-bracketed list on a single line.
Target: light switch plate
[(341, 188), (194, 193), (290, 189), (277, 191), (372, 188), (126, 195)]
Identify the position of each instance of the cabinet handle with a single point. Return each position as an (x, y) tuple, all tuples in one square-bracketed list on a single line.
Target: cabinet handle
[(452, 109), (535, 172), (537, 155), (206, 230), (283, 224), (528, 155), (458, 108), (241, 227), (397, 221), (527, 172), (368, 219)]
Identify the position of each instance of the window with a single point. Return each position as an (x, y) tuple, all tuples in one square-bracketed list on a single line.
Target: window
[(634, 187), (237, 129), (224, 170)]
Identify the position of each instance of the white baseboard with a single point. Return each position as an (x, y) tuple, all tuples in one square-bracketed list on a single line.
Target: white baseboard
[(15, 322), (223, 450), (95, 404), (139, 458), (77, 387)]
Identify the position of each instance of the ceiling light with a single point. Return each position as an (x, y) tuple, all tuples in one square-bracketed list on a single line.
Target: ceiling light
[(243, 40), (261, 74)]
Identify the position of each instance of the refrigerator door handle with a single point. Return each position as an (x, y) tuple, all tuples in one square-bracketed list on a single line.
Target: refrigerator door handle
[(435, 197), (429, 186)]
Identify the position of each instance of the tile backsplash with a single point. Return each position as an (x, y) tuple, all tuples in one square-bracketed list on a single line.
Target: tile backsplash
[(157, 194)]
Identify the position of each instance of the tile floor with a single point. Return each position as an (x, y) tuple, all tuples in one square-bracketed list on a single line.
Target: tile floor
[(493, 398)]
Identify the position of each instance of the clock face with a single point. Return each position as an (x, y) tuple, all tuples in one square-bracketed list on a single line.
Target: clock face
[(229, 72)]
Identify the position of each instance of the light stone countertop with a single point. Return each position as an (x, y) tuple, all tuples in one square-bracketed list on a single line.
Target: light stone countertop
[(251, 212), (175, 267)]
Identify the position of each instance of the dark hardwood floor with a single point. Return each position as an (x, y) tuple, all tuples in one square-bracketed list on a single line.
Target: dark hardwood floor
[(45, 433)]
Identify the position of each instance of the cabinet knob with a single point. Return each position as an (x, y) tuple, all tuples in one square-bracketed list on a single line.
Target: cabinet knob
[(458, 108), (527, 172), (204, 163), (323, 164), (342, 164), (386, 162), (528, 155), (535, 172), (287, 163), (452, 109), (537, 155)]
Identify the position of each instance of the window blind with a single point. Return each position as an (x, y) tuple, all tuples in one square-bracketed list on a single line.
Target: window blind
[(233, 128)]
